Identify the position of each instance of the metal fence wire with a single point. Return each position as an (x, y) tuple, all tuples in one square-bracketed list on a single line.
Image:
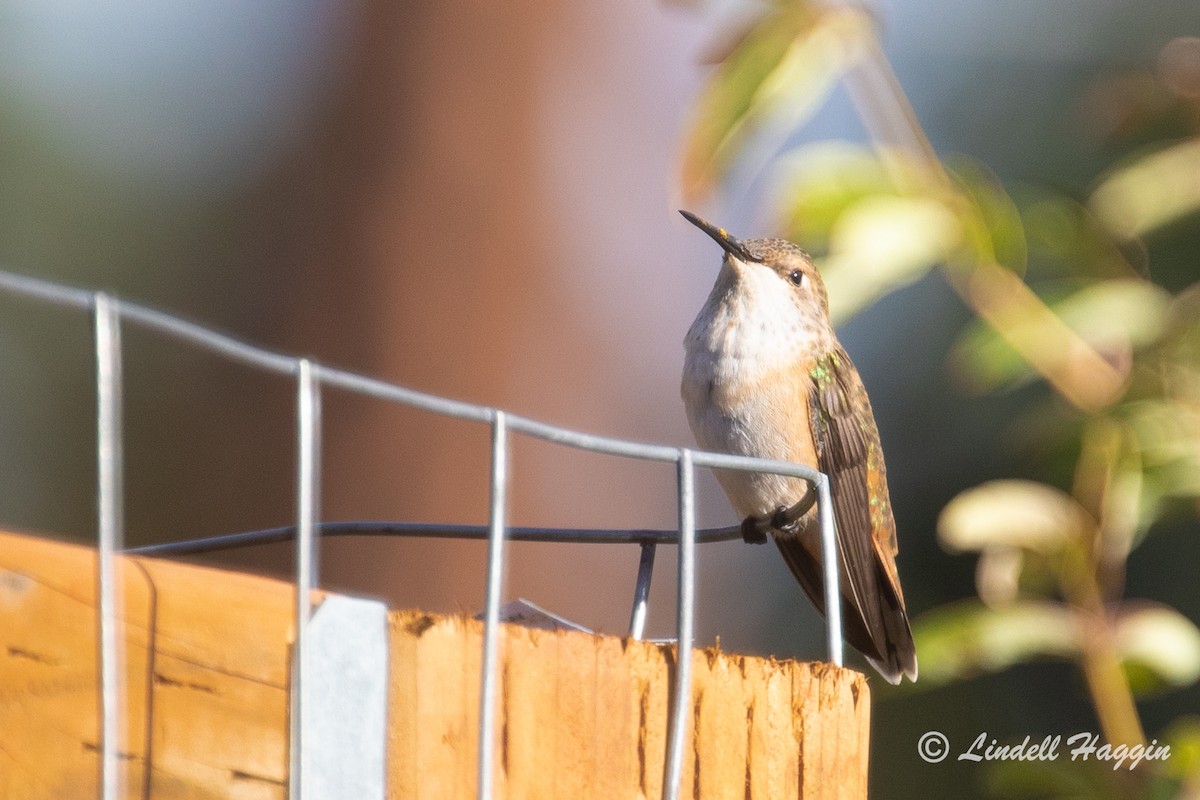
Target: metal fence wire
[(109, 314)]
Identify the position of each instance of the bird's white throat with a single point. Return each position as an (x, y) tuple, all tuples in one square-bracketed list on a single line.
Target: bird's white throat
[(752, 324)]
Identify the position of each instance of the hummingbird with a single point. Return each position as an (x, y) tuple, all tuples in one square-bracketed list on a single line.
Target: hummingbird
[(765, 376)]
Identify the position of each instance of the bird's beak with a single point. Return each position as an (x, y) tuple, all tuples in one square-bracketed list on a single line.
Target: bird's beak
[(729, 244)]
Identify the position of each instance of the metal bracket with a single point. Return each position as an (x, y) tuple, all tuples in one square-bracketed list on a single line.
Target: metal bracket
[(343, 709)]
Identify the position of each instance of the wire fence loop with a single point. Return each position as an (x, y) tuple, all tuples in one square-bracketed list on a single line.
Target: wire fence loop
[(109, 315)]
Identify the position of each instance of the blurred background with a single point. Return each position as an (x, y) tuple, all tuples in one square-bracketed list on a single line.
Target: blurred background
[(478, 201)]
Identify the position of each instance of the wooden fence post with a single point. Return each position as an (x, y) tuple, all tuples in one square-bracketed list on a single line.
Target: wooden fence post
[(206, 676)]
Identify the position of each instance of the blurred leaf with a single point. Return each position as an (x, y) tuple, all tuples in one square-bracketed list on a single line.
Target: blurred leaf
[(1166, 430), (1184, 738), (1178, 479), (966, 638), (1129, 507), (1185, 321), (1159, 641), (1151, 192), (1113, 316), (982, 361), (1065, 239), (883, 243), (1117, 313), (1011, 513), (779, 74), (820, 181), (1062, 779), (995, 229), (998, 575), (1167, 436), (844, 198)]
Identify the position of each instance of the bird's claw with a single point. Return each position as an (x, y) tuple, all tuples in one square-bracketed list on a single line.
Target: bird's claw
[(784, 520), (787, 520)]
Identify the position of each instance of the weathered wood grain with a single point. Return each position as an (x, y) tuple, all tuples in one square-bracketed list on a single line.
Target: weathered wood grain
[(206, 698)]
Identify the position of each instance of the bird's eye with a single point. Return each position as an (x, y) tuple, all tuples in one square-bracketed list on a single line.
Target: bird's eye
[(796, 277)]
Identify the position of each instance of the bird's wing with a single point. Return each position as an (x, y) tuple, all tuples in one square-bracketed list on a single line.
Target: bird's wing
[(848, 452)]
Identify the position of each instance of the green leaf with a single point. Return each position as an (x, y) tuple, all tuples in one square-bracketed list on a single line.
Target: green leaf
[(1166, 438), (1011, 513), (996, 231), (844, 199), (967, 638), (881, 244), (779, 74), (1151, 192), (982, 361), (1168, 432), (1062, 779), (998, 575), (818, 182), (1117, 314), (1065, 239), (1157, 641), (1113, 316), (1184, 738)]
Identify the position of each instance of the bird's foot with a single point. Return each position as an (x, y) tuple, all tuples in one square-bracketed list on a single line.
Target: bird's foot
[(754, 530), (784, 520), (787, 520)]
